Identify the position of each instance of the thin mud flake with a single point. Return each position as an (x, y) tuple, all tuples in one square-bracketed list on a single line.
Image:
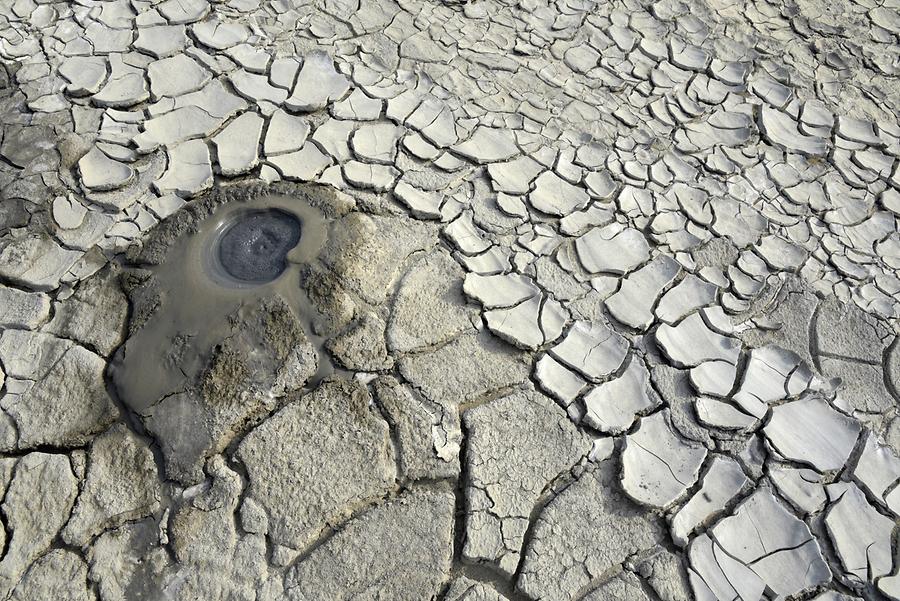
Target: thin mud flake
[(318, 84), (189, 172), (692, 342), (810, 431), (862, 536), (721, 483), (592, 349), (612, 407), (554, 196), (612, 249), (99, 172), (634, 302), (488, 145), (776, 546), (658, 466), (237, 146)]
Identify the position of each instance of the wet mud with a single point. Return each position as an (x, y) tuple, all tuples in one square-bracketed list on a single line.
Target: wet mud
[(221, 322)]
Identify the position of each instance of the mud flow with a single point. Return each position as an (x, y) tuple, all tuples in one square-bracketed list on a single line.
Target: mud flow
[(221, 324)]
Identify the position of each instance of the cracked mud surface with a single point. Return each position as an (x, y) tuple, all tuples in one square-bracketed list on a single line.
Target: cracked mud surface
[(480, 301)]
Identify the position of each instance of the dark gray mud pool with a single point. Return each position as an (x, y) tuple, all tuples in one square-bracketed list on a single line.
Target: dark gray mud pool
[(253, 248)]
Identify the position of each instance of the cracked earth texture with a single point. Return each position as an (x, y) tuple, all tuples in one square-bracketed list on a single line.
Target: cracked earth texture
[(592, 300)]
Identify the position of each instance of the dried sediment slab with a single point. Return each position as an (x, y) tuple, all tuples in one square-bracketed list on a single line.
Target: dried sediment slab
[(323, 455), (643, 285), (517, 445), (571, 547), (399, 550), (219, 321), (53, 392)]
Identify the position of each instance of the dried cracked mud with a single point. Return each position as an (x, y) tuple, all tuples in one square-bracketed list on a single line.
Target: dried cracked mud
[(457, 301)]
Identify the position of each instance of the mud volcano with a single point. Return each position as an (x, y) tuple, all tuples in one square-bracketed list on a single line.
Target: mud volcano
[(220, 322)]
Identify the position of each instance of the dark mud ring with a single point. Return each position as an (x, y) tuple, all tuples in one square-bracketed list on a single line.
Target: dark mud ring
[(246, 197)]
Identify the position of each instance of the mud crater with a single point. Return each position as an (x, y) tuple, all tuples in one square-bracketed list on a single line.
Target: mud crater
[(252, 248), (221, 323)]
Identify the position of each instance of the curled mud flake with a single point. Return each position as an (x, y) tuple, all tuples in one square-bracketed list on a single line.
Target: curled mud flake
[(254, 247)]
